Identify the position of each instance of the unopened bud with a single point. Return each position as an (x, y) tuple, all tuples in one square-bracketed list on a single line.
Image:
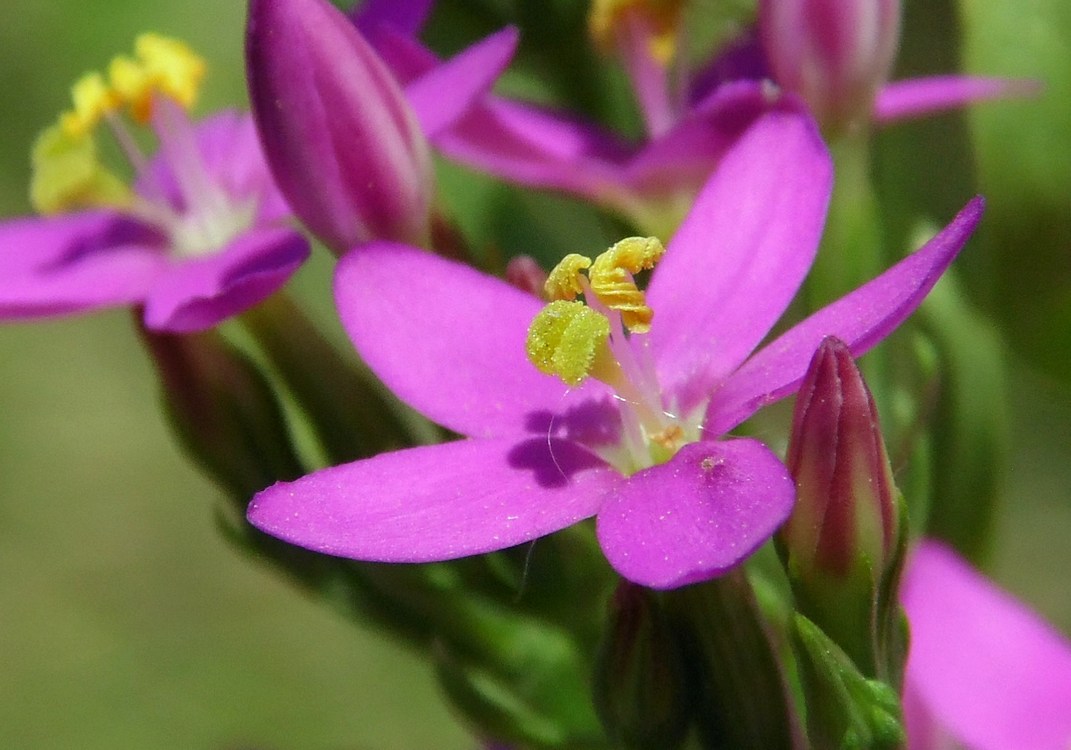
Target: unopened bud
[(525, 273), (223, 411), (835, 54), (841, 542), (640, 690), (342, 141)]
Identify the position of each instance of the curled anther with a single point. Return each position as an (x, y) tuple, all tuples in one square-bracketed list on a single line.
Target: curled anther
[(612, 281), (564, 282)]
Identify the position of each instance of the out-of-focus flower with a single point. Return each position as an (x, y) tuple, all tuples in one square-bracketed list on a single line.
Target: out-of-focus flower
[(837, 55), (347, 144), (198, 236), (983, 671), (634, 442), (653, 182)]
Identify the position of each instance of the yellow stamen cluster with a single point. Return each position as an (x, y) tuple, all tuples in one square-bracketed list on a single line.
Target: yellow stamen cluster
[(160, 65), (67, 173), (663, 19), (568, 338)]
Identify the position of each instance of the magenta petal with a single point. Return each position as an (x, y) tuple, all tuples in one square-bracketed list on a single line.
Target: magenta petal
[(861, 319), (75, 263), (535, 147), (991, 673), (197, 294), (466, 77), (437, 502), (740, 256), (918, 97), (448, 340), (698, 515), (688, 153), (405, 16)]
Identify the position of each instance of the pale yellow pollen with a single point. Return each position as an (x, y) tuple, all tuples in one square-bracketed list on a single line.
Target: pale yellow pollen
[(671, 438), (92, 100), (67, 174), (568, 339), (661, 17), (162, 65), (612, 281), (564, 281)]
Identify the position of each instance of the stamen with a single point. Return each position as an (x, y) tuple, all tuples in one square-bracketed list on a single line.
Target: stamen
[(612, 281), (569, 340), (92, 100), (661, 17), (565, 281), (67, 174), (164, 66)]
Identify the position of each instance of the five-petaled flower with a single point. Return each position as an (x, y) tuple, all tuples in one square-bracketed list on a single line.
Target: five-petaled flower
[(674, 503), (196, 239)]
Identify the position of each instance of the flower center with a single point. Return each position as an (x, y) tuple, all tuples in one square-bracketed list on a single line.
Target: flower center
[(660, 18), (604, 338), (155, 87)]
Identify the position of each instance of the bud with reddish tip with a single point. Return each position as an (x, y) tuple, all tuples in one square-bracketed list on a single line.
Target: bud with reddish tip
[(342, 141), (835, 54), (842, 542)]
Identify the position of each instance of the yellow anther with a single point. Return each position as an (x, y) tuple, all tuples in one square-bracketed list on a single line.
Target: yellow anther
[(661, 17), (564, 281), (612, 281), (569, 340), (68, 175), (92, 100), (176, 68), (163, 65)]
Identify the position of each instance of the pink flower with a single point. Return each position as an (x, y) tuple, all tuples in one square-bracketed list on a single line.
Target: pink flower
[(674, 503)]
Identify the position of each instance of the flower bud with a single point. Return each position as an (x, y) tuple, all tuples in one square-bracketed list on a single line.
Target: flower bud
[(640, 689), (835, 54), (841, 542), (342, 141), (224, 411)]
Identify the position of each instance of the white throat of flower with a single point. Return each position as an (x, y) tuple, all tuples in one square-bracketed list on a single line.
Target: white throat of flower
[(155, 87), (606, 339)]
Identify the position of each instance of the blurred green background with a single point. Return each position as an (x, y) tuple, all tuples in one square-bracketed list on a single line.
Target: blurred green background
[(126, 622)]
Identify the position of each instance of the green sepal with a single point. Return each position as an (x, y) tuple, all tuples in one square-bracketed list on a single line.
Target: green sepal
[(350, 413), (223, 411), (845, 710), (735, 667), (519, 681), (641, 691)]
